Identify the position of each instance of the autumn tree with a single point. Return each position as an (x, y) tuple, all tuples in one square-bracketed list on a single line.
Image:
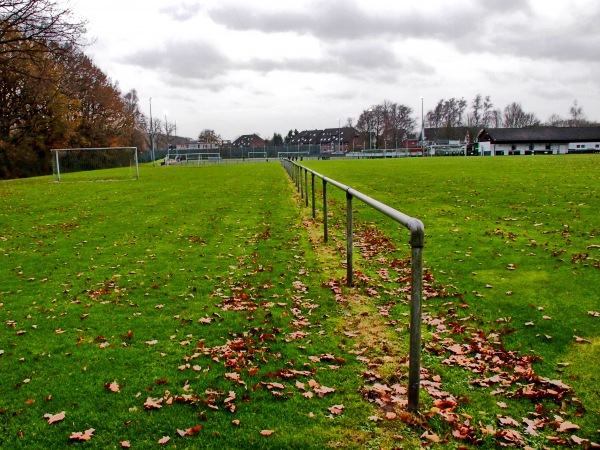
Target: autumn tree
[(210, 137), (35, 115), (32, 29)]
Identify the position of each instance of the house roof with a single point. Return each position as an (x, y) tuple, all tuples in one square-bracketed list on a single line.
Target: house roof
[(327, 136), (248, 140), (540, 134)]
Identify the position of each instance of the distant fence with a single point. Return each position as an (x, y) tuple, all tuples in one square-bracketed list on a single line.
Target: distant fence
[(299, 175)]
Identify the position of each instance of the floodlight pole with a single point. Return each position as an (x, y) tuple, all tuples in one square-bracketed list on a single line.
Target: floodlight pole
[(152, 134)]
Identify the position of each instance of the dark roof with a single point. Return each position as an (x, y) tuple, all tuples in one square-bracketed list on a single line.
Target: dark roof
[(327, 136), (540, 134), (446, 134), (307, 137), (248, 140)]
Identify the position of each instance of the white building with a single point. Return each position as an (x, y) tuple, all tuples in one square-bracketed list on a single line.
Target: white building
[(538, 141)]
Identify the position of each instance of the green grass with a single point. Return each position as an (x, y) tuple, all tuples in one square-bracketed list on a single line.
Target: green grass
[(133, 262)]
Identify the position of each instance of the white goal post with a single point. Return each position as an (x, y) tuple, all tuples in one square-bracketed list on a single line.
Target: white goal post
[(95, 164)]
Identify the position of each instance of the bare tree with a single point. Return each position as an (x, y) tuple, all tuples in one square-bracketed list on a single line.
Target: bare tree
[(44, 22), (577, 118), (515, 117), (555, 121), (476, 116)]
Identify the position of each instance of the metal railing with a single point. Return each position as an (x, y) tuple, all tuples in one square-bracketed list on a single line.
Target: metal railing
[(299, 175)]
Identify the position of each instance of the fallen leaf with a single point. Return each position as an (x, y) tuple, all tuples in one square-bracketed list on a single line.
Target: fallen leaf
[(566, 426), (579, 440), (164, 440), (267, 432), (336, 409), (431, 437), (125, 444), (581, 340), (55, 418), (112, 387), (82, 436)]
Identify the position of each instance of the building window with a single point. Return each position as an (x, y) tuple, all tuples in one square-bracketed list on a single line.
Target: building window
[(547, 146)]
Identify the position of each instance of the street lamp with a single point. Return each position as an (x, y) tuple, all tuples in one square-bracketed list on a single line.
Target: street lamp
[(370, 110), (152, 133), (339, 137), (422, 128)]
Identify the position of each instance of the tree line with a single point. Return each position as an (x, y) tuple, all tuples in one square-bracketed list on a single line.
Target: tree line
[(51, 94)]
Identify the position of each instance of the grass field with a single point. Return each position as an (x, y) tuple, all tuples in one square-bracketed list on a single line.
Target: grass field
[(190, 305)]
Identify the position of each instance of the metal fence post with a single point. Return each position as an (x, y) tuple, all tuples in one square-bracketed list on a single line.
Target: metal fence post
[(306, 185), (325, 231), (313, 195), (414, 363), (349, 241)]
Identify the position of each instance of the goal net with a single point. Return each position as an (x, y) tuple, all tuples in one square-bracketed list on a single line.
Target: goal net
[(95, 164)]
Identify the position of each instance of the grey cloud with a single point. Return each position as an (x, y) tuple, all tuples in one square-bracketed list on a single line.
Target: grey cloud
[(185, 60), (504, 28), (346, 19), (182, 12)]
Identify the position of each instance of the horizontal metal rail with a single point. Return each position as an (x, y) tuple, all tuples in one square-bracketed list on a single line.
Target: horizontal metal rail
[(299, 175)]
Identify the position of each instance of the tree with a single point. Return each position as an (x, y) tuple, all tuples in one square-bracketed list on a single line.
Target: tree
[(33, 28), (138, 127), (209, 136), (476, 117), (371, 124), (103, 117), (398, 122), (577, 117), (447, 113), (277, 140), (515, 117)]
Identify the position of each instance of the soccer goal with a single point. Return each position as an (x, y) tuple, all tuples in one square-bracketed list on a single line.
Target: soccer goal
[(257, 155), (95, 164), (292, 155)]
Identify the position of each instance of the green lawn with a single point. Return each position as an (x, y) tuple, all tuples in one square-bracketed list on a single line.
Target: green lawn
[(192, 297)]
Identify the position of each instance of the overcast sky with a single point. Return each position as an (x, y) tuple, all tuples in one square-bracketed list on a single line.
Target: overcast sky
[(264, 66)]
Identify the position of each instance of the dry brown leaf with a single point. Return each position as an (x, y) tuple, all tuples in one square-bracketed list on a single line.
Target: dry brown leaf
[(55, 418), (336, 409), (566, 426), (125, 444), (579, 440), (267, 432), (82, 436), (164, 440)]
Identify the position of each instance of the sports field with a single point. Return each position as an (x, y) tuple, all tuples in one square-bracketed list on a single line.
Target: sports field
[(198, 307)]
